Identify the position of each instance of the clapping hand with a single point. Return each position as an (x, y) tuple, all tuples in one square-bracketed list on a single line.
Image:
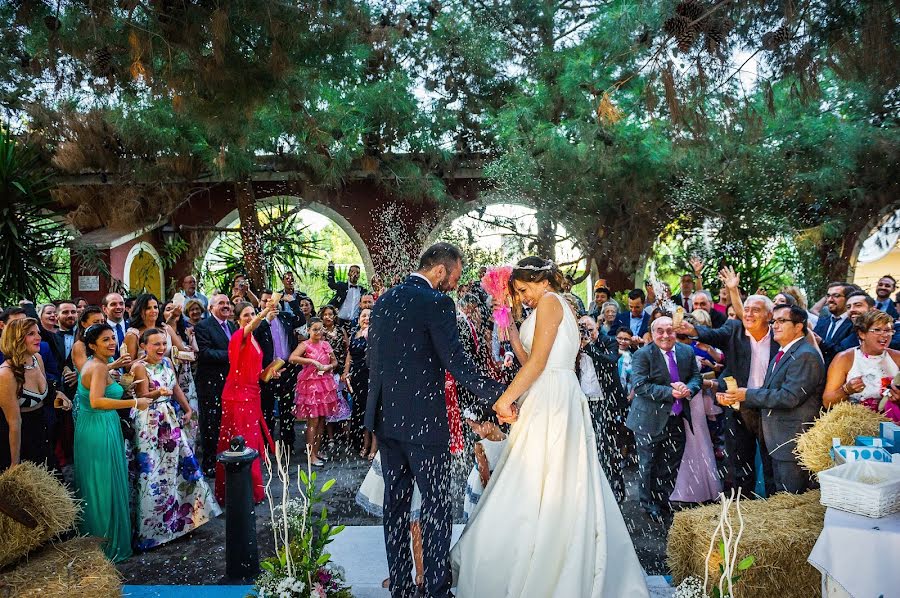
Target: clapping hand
[(680, 390)]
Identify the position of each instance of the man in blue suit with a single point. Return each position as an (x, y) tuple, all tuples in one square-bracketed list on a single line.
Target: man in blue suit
[(635, 319), (886, 285), (831, 331), (413, 340)]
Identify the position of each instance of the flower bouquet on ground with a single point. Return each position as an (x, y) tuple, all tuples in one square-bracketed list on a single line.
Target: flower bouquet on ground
[(301, 567), (496, 282)]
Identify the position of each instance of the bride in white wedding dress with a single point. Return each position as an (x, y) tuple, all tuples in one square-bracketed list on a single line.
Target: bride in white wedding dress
[(548, 523)]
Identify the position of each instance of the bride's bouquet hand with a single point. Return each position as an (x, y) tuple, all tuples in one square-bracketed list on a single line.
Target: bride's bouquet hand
[(507, 414)]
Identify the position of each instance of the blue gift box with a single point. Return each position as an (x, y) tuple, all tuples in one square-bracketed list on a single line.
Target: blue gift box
[(877, 442), (847, 454), (890, 432)]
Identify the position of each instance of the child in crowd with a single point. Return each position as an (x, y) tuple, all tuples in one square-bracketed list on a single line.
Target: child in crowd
[(487, 453), (316, 395)]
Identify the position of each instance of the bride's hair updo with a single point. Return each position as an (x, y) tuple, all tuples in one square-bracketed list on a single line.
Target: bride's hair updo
[(533, 269)]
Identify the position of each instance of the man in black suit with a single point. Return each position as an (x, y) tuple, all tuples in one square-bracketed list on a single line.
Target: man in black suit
[(886, 285), (789, 399), (683, 298), (666, 376), (290, 296), (749, 346), (346, 294), (277, 339), (831, 331), (413, 340), (635, 319), (703, 300), (213, 335)]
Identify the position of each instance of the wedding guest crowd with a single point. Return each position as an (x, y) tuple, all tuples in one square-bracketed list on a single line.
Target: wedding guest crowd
[(116, 401)]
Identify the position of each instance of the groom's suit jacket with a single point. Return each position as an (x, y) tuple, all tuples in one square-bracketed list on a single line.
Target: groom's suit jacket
[(413, 340)]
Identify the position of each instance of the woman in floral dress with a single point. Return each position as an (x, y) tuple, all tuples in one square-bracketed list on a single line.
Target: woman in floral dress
[(172, 496)]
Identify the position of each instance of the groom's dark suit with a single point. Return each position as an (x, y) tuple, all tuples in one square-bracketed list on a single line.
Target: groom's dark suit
[(413, 339)]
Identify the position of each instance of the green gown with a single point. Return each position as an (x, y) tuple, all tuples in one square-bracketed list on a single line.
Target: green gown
[(101, 474)]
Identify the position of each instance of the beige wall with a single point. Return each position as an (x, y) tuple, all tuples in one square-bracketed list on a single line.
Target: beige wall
[(867, 275)]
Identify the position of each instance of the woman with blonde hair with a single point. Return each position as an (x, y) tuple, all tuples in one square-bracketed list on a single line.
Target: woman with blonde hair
[(23, 389)]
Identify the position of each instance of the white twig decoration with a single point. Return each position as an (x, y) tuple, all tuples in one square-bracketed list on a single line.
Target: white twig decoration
[(727, 533)]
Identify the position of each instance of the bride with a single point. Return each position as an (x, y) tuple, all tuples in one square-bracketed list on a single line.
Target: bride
[(548, 523)]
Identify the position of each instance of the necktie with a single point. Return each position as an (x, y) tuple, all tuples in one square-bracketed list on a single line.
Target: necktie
[(674, 377), (226, 330), (833, 327), (778, 357)]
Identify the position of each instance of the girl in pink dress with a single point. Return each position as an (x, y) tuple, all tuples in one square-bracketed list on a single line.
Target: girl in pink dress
[(316, 395)]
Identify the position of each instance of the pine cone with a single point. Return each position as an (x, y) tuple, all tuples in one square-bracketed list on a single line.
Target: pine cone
[(773, 39), (103, 58), (691, 9), (686, 40), (677, 25)]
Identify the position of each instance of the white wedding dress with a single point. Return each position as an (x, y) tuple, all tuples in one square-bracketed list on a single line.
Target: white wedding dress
[(548, 523)]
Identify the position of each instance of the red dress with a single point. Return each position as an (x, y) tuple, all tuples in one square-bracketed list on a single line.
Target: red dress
[(242, 411)]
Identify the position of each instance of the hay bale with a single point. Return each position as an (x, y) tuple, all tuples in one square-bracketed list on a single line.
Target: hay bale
[(845, 421), (34, 490), (71, 569), (780, 532)]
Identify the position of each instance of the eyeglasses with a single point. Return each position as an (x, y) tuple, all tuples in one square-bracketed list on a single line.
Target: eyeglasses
[(884, 331), (834, 295), (780, 321)]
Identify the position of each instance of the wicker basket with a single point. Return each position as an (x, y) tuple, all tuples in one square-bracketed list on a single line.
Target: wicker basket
[(863, 487)]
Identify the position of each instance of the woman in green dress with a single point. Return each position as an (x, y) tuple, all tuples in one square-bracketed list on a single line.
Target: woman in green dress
[(101, 473)]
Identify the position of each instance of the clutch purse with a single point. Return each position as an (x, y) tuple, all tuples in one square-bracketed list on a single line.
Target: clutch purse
[(269, 372)]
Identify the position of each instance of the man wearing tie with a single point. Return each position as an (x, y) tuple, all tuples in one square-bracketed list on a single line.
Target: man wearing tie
[(830, 332), (346, 295), (666, 376), (790, 398), (213, 335), (883, 290), (113, 306)]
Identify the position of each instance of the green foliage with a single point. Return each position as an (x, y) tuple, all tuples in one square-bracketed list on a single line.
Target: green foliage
[(747, 562), (31, 229)]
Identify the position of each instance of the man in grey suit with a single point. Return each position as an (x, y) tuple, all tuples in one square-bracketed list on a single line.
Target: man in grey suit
[(790, 398), (665, 376)]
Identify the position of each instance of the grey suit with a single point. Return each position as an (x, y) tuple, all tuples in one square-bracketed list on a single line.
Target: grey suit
[(659, 435), (789, 399)]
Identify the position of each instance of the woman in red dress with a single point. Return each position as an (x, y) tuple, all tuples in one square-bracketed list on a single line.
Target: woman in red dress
[(241, 407)]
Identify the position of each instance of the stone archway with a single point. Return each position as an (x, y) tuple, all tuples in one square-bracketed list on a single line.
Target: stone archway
[(232, 217)]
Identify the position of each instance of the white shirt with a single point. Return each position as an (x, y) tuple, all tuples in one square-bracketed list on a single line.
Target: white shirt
[(760, 353), (423, 278), (833, 326), (351, 303), (590, 385)]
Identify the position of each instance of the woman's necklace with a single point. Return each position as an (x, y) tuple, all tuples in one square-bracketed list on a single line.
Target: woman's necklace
[(34, 363)]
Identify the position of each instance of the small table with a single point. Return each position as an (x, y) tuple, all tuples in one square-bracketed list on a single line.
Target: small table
[(857, 555)]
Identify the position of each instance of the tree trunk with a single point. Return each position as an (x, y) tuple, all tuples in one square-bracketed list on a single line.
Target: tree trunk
[(251, 234), (545, 245)]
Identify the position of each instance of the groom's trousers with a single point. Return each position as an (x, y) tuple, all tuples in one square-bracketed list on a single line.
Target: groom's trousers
[(428, 466)]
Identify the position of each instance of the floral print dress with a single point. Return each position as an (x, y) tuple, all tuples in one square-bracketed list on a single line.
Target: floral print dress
[(172, 496)]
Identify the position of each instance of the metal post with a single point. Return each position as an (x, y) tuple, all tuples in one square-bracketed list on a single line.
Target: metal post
[(241, 550)]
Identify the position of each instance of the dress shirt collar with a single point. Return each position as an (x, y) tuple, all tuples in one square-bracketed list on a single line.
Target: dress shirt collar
[(423, 278)]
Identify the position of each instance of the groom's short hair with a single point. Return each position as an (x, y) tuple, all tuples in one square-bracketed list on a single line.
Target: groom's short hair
[(440, 253)]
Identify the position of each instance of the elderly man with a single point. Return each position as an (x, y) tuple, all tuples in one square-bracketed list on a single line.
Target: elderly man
[(213, 335), (703, 300), (790, 397), (831, 331), (666, 376), (749, 346), (189, 290)]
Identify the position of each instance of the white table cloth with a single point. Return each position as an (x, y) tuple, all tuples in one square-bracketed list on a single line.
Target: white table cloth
[(860, 554)]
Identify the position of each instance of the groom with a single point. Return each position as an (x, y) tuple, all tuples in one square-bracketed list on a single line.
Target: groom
[(413, 339)]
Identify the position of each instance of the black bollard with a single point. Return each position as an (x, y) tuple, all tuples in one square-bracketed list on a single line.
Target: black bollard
[(241, 551)]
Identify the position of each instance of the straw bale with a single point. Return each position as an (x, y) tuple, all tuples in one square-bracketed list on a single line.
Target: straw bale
[(33, 488), (845, 421), (71, 569), (780, 532)]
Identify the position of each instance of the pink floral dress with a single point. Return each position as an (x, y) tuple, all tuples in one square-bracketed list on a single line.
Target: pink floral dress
[(316, 392)]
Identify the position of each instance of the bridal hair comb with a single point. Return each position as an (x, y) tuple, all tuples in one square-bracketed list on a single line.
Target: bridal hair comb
[(548, 266)]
